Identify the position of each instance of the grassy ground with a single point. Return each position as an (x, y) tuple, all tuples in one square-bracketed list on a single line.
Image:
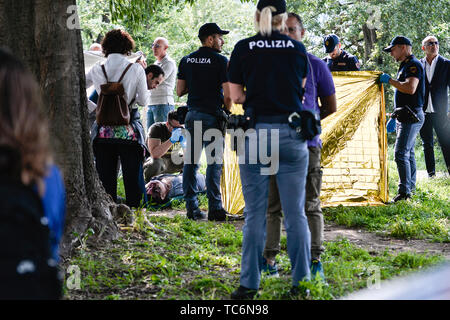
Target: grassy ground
[(195, 261), (426, 216), (201, 260)]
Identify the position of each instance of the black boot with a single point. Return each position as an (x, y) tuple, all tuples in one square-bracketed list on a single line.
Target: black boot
[(243, 293), (401, 196), (217, 215), (196, 214)]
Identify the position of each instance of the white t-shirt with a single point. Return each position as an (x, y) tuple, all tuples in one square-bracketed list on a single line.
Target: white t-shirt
[(429, 70), (163, 94)]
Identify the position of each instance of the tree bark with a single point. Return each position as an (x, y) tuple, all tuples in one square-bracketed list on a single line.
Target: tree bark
[(38, 33), (370, 37)]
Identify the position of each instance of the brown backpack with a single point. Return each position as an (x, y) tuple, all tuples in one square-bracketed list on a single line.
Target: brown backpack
[(112, 108)]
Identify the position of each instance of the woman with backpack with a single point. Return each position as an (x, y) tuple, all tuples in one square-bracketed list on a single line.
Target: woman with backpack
[(32, 202), (117, 132)]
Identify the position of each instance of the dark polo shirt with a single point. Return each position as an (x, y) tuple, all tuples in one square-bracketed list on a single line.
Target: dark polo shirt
[(410, 67), (271, 69), (204, 71)]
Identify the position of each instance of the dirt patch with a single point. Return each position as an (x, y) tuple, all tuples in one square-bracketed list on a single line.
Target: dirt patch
[(369, 241), (373, 242)]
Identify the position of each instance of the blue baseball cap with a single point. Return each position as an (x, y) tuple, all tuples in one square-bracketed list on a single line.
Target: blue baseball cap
[(330, 42), (398, 40)]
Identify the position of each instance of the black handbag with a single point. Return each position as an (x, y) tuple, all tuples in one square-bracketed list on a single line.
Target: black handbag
[(405, 114)]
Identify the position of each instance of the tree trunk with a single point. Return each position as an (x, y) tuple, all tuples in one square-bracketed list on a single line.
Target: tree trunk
[(39, 33), (370, 37)]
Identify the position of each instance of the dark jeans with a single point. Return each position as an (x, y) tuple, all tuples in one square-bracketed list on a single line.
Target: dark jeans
[(131, 157), (441, 125), (404, 153), (192, 159)]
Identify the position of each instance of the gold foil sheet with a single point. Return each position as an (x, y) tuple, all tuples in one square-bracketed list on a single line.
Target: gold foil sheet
[(354, 153)]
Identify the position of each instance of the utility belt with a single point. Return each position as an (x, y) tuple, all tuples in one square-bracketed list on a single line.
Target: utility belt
[(406, 114), (305, 122), (279, 118), (220, 114)]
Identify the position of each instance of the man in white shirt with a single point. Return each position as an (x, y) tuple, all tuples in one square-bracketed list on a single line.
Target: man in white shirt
[(161, 98), (437, 81)]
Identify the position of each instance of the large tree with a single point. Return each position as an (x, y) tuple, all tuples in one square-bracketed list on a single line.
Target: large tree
[(44, 34)]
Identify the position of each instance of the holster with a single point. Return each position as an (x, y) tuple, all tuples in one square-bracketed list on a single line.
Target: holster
[(405, 115), (181, 113), (222, 120), (306, 124)]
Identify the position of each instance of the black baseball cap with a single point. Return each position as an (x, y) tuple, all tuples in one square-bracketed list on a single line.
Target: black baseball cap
[(397, 40), (279, 5), (330, 42), (210, 28)]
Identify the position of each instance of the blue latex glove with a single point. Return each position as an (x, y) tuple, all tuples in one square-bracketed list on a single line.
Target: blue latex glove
[(390, 125), (384, 78), (176, 134), (183, 142)]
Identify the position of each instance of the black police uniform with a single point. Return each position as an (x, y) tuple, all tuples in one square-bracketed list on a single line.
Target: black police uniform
[(204, 72), (270, 92), (407, 131), (345, 62), (411, 67), (272, 68)]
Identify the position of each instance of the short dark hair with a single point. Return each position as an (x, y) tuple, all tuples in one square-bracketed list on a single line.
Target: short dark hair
[(117, 41), (203, 38), (172, 115), (297, 17), (155, 70)]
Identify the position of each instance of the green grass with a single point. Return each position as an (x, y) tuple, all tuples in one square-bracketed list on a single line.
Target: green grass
[(201, 260), (426, 216)]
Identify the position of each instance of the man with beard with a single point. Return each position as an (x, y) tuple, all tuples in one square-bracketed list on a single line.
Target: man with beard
[(203, 76)]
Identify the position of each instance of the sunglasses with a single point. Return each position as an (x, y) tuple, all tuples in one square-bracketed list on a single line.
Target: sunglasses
[(156, 46), (291, 30), (429, 44)]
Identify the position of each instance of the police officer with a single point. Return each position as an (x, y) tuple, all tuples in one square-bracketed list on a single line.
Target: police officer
[(409, 91), (338, 59), (273, 69), (203, 76)]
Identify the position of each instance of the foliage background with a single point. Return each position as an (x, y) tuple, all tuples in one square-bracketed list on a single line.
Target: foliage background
[(179, 22)]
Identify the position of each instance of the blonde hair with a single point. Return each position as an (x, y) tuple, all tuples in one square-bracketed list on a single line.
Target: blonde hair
[(265, 23)]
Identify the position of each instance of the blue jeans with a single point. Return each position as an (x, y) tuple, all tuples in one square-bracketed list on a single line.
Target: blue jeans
[(158, 113), (291, 180), (404, 153), (192, 159)]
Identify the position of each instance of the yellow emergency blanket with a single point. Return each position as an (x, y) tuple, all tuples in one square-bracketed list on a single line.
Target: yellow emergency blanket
[(354, 153)]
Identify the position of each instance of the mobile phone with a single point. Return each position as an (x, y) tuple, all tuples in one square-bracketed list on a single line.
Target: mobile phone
[(141, 55)]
